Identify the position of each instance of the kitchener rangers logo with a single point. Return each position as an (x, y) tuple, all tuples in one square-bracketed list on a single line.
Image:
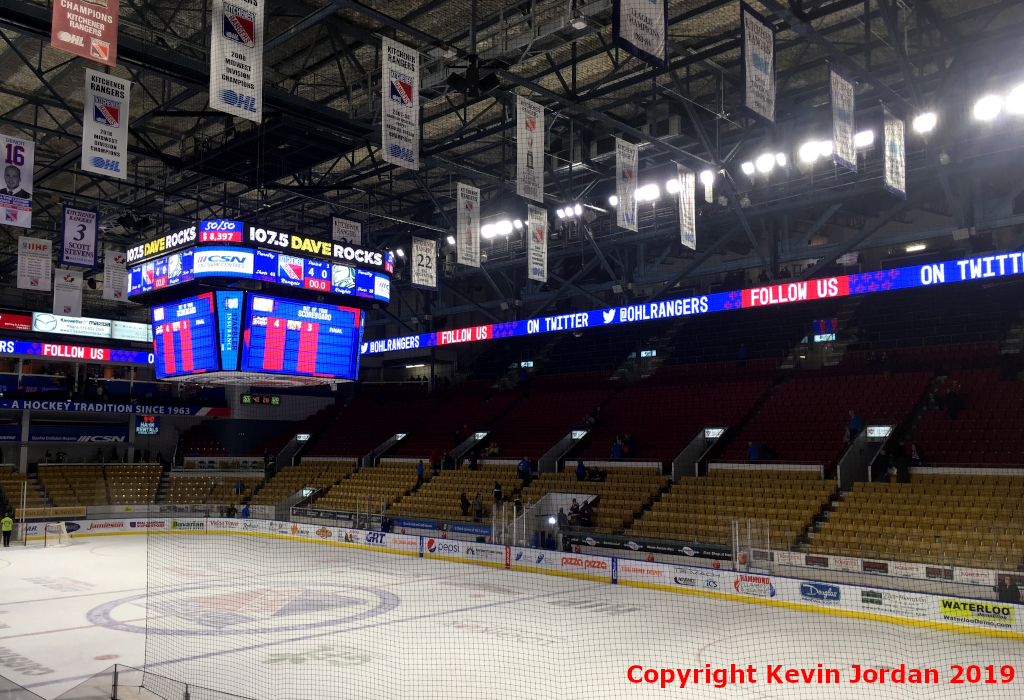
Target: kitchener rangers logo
[(106, 112), (239, 25), (401, 88)]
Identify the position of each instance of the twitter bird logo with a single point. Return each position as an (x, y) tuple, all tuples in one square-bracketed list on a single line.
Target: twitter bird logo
[(363, 348), (609, 316)]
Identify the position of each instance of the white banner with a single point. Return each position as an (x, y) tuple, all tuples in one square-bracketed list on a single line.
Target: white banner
[(537, 242), (626, 162), (895, 154), (78, 237), (67, 293), (758, 64), (115, 276), (345, 231), (468, 241), (529, 149), (640, 28), (400, 104), (424, 263), (16, 193), (844, 125), (236, 59), (105, 125), (34, 258), (687, 207)]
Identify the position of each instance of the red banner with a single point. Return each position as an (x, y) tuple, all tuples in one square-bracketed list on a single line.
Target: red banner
[(86, 28), (797, 291), (463, 335), (15, 322)]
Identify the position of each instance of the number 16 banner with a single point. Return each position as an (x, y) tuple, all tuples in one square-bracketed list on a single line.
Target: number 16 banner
[(424, 263), (78, 237), (16, 190)]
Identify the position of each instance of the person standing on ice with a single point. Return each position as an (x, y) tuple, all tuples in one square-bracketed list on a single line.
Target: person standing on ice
[(6, 525)]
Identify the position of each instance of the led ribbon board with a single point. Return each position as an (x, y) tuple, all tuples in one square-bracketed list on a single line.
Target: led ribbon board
[(985, 267)]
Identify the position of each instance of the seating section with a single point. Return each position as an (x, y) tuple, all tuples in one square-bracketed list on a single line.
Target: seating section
[(806, 419), (208, 489), (199, 441), (970, 520), (929, 358), (10, 484), (471, 404), (311, 424), (133, 483), (439, 498), (497, 356), (701, 509), (622, 496), (600, 349), (315, 473), (987, 427), (372, 488)]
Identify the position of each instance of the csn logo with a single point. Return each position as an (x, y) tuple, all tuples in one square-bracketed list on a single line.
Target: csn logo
[(100, 438)]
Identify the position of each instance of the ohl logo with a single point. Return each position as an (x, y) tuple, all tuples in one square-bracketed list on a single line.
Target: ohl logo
[(106, 164), (237, 99), (239, 25)]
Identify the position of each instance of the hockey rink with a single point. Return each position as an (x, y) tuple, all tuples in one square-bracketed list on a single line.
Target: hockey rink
[(268, 619)]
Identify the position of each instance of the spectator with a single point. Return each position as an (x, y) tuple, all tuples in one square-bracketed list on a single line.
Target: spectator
[(563, 519), (630, 447), (952, 402), (581, 471), (529, 503), (524, 376), (880, 468), (159, 458), (385, 524), (435, 457), (419, 473), (478, 508), (113, 454), (48, 457), (464, 504), (586, 514), (549, 543), (231, 512), (932, 404), (763, 277), (145, 456), (916, 456), (474, 460), (517, 507), (1008, 591), (574, 511), (535, 539), (617, 448), (854, 426), (767, 453), (525, 470), (6, 525), (239, 488), (245, 511), (497, 493), (753, 451)]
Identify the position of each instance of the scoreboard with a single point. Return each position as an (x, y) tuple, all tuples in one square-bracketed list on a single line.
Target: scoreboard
[(283, 336), (185, 337)]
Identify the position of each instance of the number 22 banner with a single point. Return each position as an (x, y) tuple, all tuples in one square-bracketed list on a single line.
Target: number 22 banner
[(16, 192), (424, 263), (78, 237)]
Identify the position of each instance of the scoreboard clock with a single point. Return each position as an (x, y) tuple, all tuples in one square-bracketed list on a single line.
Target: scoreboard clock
[(260, 400)]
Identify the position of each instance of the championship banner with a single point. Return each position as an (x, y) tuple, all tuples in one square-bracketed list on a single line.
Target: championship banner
[(86, 28), (105, 125), (424, 263), (345, 231), (639, 27), (687, 207), (468, 221), (78, 237), (895, 154), (844, 125), (16, 193), (236, 59), (400, 104), (538, 243), (757, 61), (529, 149), (115, 276), (34, 257), (67, 293), (626, 161)]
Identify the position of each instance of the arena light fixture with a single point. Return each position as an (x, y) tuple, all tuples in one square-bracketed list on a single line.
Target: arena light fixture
[(924, 123), (561, 213), (747, 168), (765, 163), (988, 108), (487, 231), (864, 139), (1015, 100), (552, 520), (613, 200), (518, 224), (648, 193), (577, 209), (916, 247), (825, 149), (414, 366), (451, 240), (672, 186), (810, 151), (400, 253), (781, 159), (707, 177), (503, 227)]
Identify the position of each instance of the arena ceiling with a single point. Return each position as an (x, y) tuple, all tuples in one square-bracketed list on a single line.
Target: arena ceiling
[(316, 153)]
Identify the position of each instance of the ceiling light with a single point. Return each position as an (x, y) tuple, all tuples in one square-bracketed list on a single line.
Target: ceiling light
[(503, 227), (613, 200), (916, 247), (988, 108), (1015, 101), (707, 177), (765, 162), (923, 123), (825, 149), (781, 159), (577, 210), (400, 253), (487, 231), (810, 151), (451, 240), (864, 139), (672, 186), (518, 224), (747, 168), (648, 193), (414, 366)]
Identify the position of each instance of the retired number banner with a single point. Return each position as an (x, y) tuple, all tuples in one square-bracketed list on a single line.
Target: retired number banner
[(86, 28), (345, 231), (78, 237), (236, 59), (626, 160), (16, 193), (468, 222), (757, 60), (640, 28), (529, 149), (687, 207), (895, 154), (115, 276), (400, 104), (105, 125), (844, 126), (34, 259), (67, 293), (538, 243), (424, 263)]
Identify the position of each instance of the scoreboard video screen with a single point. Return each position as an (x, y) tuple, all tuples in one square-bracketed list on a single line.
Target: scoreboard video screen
[(283, 336), (185, 337)]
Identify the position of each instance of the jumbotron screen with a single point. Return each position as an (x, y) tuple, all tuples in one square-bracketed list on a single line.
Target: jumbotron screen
[(185, 337), (298, 338)]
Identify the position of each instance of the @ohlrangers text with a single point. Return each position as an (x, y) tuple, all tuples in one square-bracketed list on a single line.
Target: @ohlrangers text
[(772, 674)]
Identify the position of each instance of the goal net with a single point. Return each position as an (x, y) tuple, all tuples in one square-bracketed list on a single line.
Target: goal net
[(56, 535)]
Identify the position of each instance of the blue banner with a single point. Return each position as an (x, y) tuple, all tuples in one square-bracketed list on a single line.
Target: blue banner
[(70, 433)]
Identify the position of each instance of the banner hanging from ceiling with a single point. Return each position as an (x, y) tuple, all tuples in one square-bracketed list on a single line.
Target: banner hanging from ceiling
[(757, 61), (78, 237), (687, 207), (236, 59), (67, 293), (105, 125), (86, 28), (537, 243), (844, 125), (34, 259), (423, 263), (345, 231), (640, 28), (895, 154), (529, 149), (400, 104), (115, 275), (16, 192), (626, 161), (468, 222)]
